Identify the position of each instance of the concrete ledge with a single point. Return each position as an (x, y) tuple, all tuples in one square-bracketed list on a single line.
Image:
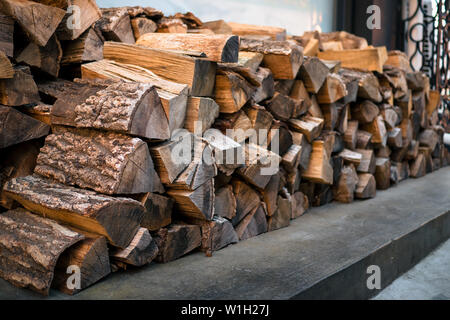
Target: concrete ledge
[(324, 254)]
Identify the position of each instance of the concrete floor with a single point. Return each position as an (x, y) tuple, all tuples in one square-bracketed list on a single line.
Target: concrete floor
[(321, 255), (428, 280)]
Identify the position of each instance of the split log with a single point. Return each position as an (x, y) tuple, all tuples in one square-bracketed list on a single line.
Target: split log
[(90, 256), (172, 25), (117, 219), (418, 166), (417, 81), (395, 138), (390, 117), (108, 163), (241, 29), (232, 91), (132, 108), (260, 119), (309, 126), (266, 90), (270, 193), (115, 25), (429, 138), (25, 12), (142, 25), (217, 234), (371, 59), (332, 90), (399, 60), (87, 47), (378, 131), (367, 164), (46, 58), (198, 73), (281, 57), (342, 121), (368, 84), (37, 242), (365, 112), (18, 127), (6, 69), (20, 89), (200, 114), (279, 138), (228, 154), (173, 95), (250, 60), (247, 199), (176, 241), (6, 36), (225, 202), (300, 204), (260, 165), (383, 173), (282, 216), (350, 135), (413, 150), (284, 108), (331, 113), (351, 157), (291, 159), (366, 187), (433, 102), (220, 48), (407, 131), (158, 211), (141, 251), (406, 105), (313, 72), (319, 169), (346, 185), (198, 204), (237, 126), (314, 110)]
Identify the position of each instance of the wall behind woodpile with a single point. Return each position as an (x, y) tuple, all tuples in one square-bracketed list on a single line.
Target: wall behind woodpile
[(296, 16)]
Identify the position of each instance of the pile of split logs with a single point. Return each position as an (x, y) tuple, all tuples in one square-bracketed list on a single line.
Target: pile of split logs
[(92, 115)]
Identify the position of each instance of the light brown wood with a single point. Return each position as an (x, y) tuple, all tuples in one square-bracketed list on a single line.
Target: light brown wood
[(313, 72), (319, 169), (378, 130), (6, 38), (232, 91), (344, 190), (142, 25), (368, 84), (367, 164), (332, 90), (399, 60), (242, 29), (200, 114), (350, 135), (217, 234), (218, 27), (198, 74), (225, 202), (351, 157), (366, 187), (220, 48), (6, 69), (370, 59), (282, 216), (309, 126), (365, 112), (383, 173)]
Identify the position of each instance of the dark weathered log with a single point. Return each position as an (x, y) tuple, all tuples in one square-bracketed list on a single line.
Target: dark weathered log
[(217, 234), (418, 166), (343, 118), (198, 204), (6, 35), (351, 157), (260, 118), (225, 202), (200, 114), (428, 138), (177, 240), (158, 211), (257, 224), (331, 115), (90, 256), (117, 219), (109, 163), (283, 107), (344, 189), (260, 165), (25, 12), (237, 126), (363, 139), (141, 250), (350, 135), (281, 57), (30, 247), (115, 25), (247, 199), (282, 216), (266, 90), (313, 72), (366, 187), (220, 47), (383, 173), (198, 73), (368, 85), (270, 193), (378, 131), (395, 138), (19, 89), (6, 69), (323, 194), (332, 90), (365, 112), (18, 127), (88, 47), (367, 164), (132, 108)]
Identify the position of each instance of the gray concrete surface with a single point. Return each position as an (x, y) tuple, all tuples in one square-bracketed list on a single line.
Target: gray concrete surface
[(336, 242), (428, 280)]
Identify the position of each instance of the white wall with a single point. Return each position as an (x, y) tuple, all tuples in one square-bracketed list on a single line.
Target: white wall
[(296, 16)]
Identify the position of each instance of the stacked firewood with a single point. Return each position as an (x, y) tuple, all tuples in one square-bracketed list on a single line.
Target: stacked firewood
[(134, 137)]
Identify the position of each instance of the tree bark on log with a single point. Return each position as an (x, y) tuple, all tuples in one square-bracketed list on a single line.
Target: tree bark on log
[(117, 219), (30, 247), (108, 163)]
